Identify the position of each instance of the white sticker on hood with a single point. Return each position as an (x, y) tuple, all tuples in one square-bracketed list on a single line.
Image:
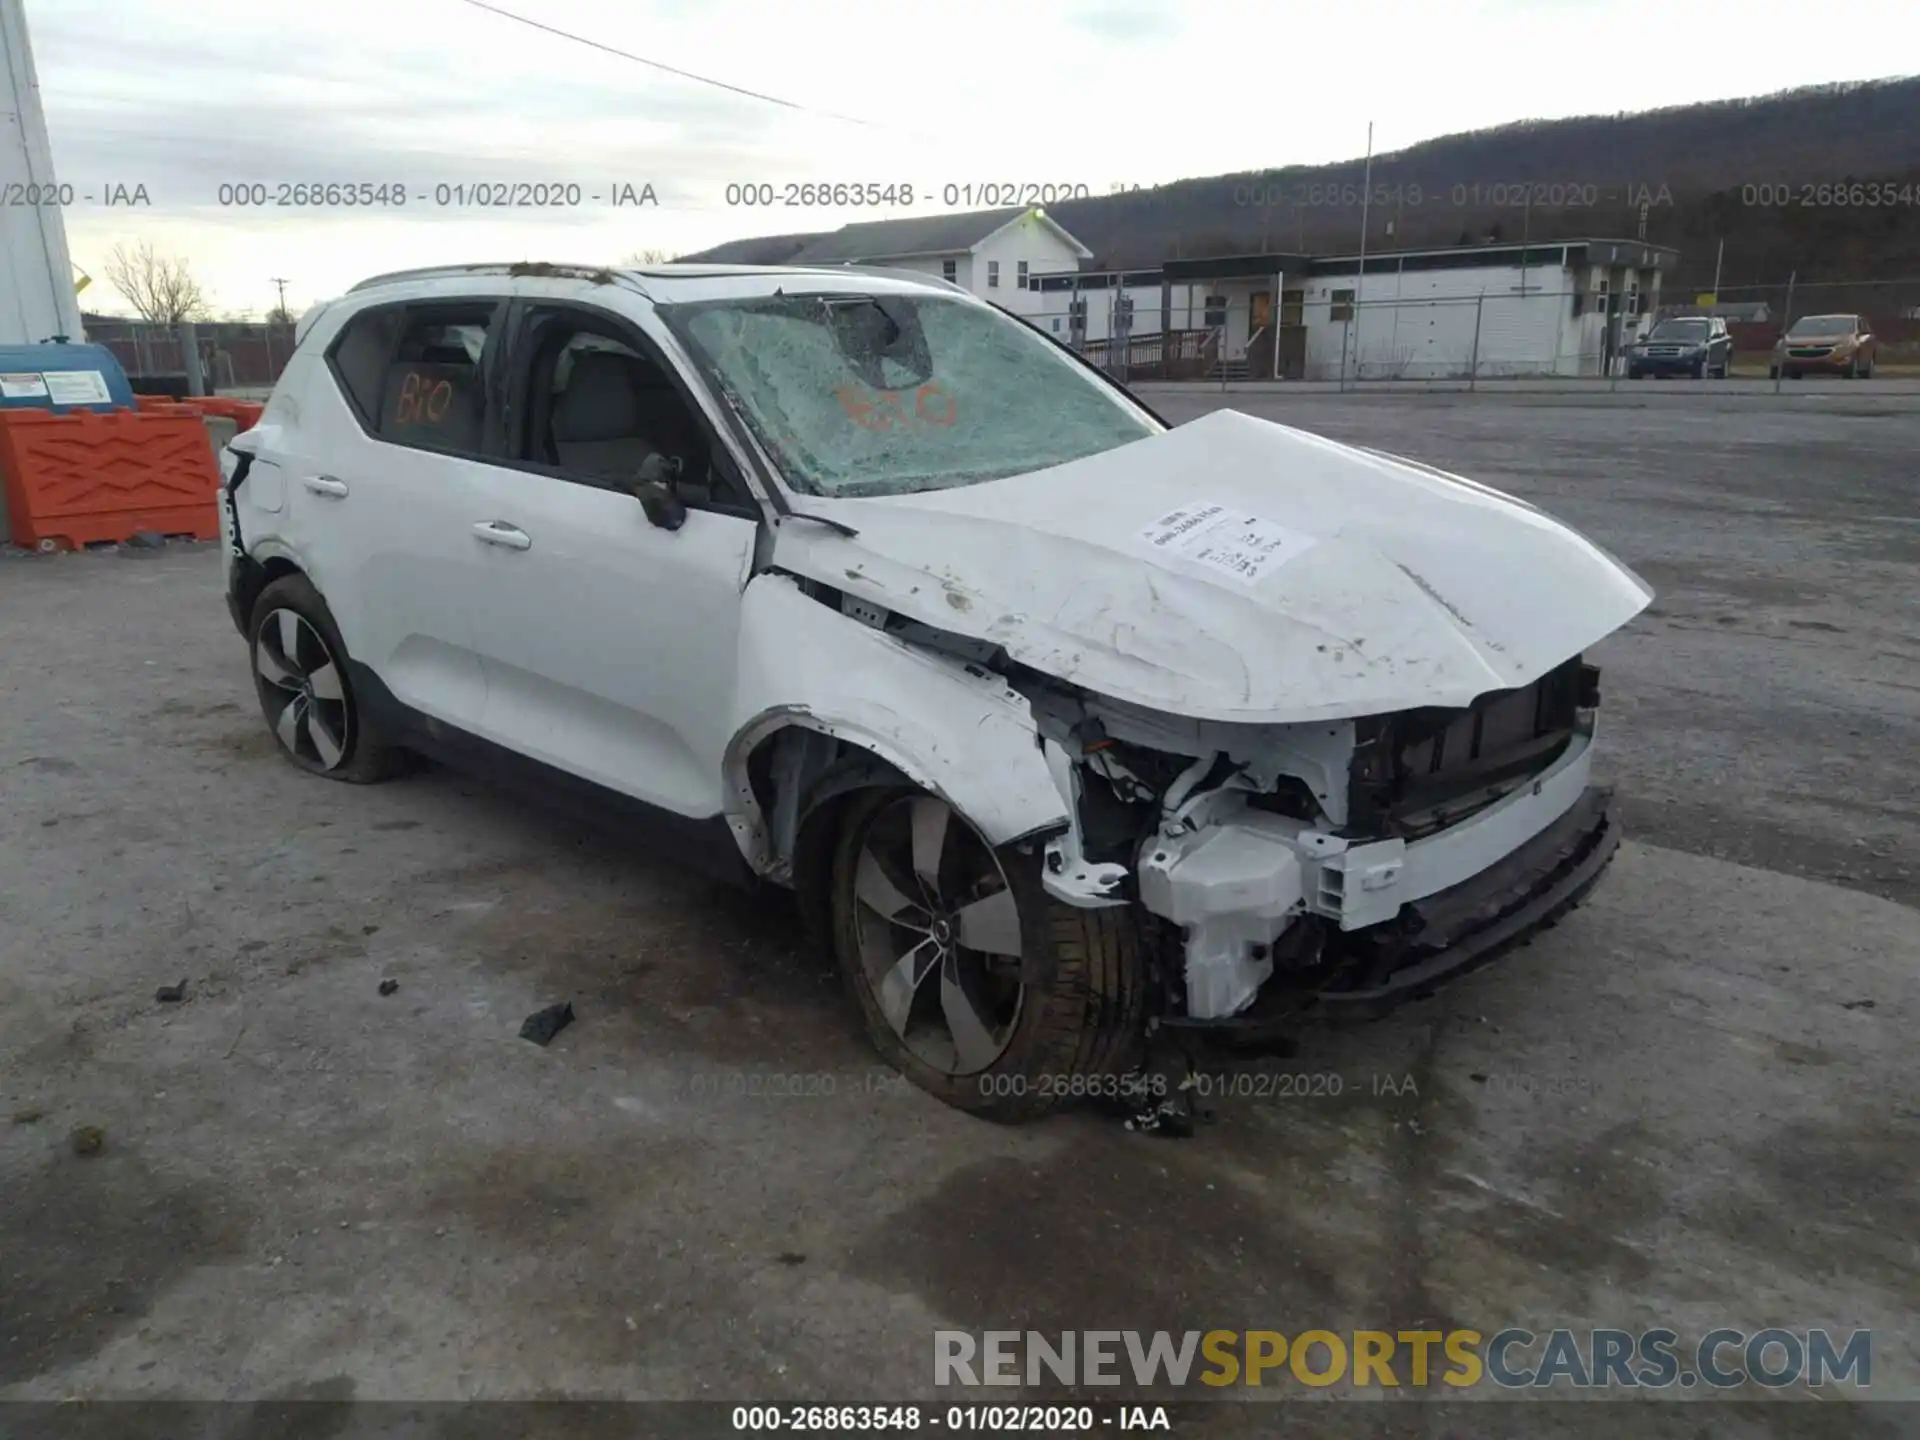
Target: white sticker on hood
[(1241, 545)]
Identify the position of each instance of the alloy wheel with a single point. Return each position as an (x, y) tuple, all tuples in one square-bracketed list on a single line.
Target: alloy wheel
[(938, 931), (302, 691)]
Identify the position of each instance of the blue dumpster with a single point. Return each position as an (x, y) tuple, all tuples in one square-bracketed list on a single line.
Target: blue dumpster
[(62, 378)]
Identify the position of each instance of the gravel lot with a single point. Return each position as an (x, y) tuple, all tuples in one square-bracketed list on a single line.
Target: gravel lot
[(1693, 1104)]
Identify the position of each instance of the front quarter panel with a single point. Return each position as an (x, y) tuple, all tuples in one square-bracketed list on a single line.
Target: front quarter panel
[(957, 730)]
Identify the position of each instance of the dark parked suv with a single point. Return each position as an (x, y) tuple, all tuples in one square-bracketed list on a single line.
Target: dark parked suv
[(1696, 345)]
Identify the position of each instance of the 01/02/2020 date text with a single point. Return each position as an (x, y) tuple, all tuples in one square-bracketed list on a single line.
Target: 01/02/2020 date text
[(809, 194)]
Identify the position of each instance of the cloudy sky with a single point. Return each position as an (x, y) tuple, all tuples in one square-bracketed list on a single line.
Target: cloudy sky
[(185, 96)]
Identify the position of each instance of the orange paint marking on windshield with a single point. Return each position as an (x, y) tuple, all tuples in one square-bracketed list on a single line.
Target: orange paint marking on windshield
[(886, 409)]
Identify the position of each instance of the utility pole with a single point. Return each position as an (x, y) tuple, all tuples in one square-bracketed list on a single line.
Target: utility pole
[(1359, 280), (282, 285)]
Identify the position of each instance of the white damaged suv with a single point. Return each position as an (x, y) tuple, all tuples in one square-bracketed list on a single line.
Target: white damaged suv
[(1067, 727)]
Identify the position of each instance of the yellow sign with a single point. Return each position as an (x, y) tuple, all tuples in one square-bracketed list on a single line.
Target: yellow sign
[(1706, 297)]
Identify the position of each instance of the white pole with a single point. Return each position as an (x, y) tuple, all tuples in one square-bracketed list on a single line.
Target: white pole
[(37, 299)]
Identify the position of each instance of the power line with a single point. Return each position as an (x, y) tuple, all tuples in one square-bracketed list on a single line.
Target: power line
[(669, 69)]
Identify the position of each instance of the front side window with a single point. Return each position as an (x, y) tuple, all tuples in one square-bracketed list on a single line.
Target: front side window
[(897, 394), (595, 404)]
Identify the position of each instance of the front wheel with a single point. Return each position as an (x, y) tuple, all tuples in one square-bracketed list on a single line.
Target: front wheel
[(972, 981)]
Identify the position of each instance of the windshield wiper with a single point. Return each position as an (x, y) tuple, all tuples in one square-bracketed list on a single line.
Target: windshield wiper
[(840, 525)]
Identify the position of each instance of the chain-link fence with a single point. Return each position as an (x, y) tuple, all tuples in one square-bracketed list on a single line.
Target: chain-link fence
[(1453, 328), (233, 355)]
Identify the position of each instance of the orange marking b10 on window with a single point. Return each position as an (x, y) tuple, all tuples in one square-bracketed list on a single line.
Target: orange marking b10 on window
[(422, 399), (886, 409)]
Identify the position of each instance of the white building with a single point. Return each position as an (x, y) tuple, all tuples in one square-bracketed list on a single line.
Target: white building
[(1564, 307), (993, 253), (1559, 308)]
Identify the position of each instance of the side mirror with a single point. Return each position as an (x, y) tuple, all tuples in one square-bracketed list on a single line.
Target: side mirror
[(658, 488)]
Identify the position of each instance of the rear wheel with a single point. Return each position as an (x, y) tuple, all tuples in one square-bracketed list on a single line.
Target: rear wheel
[(300, 673), (974, 982)]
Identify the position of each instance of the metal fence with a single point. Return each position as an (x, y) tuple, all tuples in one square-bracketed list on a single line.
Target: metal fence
[(1355, 335), (233, 355)]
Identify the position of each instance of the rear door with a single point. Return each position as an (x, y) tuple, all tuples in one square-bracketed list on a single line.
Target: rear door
[(381, 496), (609, 643)]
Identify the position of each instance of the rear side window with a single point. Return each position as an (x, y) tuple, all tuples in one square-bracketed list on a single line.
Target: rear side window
[(413, 373), (432, 396), (360, 359)]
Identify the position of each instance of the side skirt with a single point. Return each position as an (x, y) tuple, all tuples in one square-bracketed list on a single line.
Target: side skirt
[(706, 845)]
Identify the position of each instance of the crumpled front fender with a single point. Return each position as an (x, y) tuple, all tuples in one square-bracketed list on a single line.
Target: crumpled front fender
[(953, 728)]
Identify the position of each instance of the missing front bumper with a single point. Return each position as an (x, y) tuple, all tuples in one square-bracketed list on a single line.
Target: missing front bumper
[(1458, 930)]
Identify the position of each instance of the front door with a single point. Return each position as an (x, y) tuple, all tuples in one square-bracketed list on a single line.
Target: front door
[(1262, 311), (608, 642)]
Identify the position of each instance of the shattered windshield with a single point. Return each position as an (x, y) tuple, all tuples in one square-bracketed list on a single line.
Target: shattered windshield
[(893, 394)]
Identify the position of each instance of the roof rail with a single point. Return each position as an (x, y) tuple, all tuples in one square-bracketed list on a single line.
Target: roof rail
[(887, 273), (495, 267)]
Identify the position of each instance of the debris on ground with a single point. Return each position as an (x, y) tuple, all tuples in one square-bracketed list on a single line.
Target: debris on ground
[(29, 1116), (1856, 1004), (143, 542), (171, 994), (88, 1139), (543, 1025), (387, 987)]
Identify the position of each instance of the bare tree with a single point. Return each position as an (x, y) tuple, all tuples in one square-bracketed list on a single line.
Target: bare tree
[(650, 257), (160, 288)]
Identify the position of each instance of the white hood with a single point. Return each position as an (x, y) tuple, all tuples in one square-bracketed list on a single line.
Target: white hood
[(1234, 569)]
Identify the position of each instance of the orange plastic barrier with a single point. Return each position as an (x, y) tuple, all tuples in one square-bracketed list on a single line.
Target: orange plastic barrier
[(245, 414), (78, 478)]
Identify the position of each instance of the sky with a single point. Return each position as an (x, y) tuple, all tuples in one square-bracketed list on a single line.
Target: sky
[(188, 96)]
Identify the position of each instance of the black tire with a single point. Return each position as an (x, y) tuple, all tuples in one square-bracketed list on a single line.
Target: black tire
[(1853, 368), (1085, 1023), (364, 757), (1867, 372), (1700, 370)]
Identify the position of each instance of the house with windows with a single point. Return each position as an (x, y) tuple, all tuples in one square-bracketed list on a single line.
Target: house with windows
[(995, 254)]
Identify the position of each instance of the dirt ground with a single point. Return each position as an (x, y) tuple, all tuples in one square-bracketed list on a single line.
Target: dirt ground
[(1694, 1104)]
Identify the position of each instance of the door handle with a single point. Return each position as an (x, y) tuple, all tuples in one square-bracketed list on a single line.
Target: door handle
[(326, 485), (498, 532)]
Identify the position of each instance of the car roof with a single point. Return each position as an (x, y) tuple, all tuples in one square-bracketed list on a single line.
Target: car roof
[(669, 283)]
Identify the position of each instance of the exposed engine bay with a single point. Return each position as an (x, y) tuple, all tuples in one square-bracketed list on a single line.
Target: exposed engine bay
[(1264, 849)]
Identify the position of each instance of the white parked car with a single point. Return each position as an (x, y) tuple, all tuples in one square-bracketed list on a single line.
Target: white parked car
[(1066, 725)]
